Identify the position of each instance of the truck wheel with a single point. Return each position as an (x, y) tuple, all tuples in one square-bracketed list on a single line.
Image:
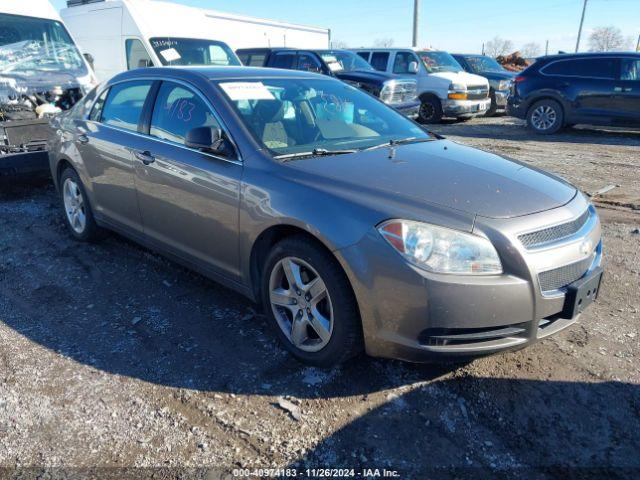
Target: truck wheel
[(430, 111), (545, 117), (494, 105), (77, 211), (309, 301)]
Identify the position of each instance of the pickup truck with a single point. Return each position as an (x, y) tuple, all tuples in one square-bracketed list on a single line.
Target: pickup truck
[(444, 88), (500, 80), (396, 91)]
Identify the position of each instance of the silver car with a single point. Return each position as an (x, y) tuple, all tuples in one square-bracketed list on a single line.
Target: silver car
[(353, 227)]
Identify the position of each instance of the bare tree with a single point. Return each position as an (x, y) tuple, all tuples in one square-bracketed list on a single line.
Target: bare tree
[(383, 42), (498, 46), (607, 39), (530, 50), (339, 44)]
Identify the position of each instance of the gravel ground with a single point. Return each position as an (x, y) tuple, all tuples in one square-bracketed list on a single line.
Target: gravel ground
[(112, 356)]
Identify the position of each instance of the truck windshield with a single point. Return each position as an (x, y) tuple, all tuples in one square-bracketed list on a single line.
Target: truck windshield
[(339, 61), (30, 46), (192, 51), (483, 64), (436, 62), (297, 117)]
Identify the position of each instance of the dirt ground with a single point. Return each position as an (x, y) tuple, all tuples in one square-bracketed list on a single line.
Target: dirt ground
[(112, 356)]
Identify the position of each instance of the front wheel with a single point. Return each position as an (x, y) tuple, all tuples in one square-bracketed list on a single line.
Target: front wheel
[(430, 111), (545, 117), (77, 211), (311, 305)]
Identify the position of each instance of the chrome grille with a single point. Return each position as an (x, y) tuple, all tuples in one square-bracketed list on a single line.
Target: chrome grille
[(552, 234), (563, 276), (477, 92)]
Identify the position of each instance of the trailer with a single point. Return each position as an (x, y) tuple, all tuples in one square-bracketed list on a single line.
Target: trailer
[(121, 35), (42, 73)]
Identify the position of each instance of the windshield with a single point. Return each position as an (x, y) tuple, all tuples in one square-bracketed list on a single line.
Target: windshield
[(190, 51), (344, 61), (30, 45), (483, 64), (439, 62), (292, 116)]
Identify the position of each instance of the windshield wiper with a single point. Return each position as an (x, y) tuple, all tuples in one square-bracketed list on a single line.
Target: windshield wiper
[(316, 152), (401, 141)]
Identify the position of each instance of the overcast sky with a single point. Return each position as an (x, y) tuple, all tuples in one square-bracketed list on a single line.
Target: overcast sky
[(454, 25)]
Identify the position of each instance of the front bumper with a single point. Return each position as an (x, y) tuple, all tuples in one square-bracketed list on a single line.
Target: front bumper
[(409, 109), (465, 108), (414, 315)]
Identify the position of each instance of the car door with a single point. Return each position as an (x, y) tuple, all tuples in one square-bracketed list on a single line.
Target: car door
[(188, 199), (627, 91), (109, 137)]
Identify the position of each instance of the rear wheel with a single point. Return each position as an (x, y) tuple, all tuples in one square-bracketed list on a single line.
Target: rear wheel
[(310, 303), (77, 211), (545, 117), (430, 110)]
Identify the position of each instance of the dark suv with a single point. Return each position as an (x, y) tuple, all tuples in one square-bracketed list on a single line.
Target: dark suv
[(394, 90), (563, 90)]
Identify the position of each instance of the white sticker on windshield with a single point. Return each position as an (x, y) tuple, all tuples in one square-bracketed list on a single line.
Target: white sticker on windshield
[(247, 91), (170, 54), (334, 66)]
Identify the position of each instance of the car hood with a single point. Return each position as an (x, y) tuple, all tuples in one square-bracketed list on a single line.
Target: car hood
[(446, 174), (461, 77), (498, 75), (365, 75)]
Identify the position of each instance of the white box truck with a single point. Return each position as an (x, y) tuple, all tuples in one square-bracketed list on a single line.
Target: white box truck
[(42, 73), (125, 34)]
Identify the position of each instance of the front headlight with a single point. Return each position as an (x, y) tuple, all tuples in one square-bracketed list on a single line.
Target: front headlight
[(388, 91), (504, 85), (441, 250), (457, 91)]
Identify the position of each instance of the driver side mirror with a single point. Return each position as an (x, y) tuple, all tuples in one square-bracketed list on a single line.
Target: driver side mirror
[(209, 140), (413, 67)]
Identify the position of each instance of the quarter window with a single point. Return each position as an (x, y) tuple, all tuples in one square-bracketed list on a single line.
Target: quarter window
[(96, 110), (123, 106), (630, 69), (379, 60), (178, 110), (137, 56), (583, 67)]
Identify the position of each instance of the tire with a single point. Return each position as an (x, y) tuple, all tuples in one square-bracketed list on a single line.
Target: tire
[(545, 117), (430, 110), (494, 105), (77, 211), (329, 330)]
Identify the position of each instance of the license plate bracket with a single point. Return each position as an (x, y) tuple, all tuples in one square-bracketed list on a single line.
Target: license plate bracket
[(582, 293)]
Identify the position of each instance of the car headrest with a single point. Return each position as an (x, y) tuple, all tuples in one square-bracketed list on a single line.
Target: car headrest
[(269, 111)]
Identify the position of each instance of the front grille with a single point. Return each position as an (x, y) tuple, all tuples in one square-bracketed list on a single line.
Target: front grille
[(552, 234), (561, 277), (477, 92)]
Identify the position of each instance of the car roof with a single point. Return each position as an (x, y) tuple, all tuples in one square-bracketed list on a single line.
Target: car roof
[(214, 73), (566, 56)]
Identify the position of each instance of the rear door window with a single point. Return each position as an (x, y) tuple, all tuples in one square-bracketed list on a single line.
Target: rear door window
[(284, 60), (364, 55), (583, 67), (254, 59), (379, 60), (123, 106), (178, 110)]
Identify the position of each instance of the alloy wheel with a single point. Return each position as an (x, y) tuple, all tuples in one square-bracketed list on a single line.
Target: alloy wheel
[(74, 206), (544, 117), (301, 304)]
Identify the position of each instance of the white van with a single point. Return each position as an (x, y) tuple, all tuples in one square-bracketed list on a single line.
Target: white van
[(125, 34), (41, 74), (444, 88)]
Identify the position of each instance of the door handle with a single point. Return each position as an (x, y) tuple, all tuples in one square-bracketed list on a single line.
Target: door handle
[(145, 157), (617, 89), (83, 139), (621, 89)]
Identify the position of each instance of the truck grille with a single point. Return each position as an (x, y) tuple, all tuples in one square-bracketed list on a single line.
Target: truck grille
[(477, 92), (561, 277), (552, 234)]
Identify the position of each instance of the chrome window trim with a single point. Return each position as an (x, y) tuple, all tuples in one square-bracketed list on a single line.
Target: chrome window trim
[(574, 76), (191, 87)]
